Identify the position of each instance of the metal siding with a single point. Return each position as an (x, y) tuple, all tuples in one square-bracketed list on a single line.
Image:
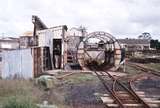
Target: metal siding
[(46, 36), (17, 63), (58, 34)]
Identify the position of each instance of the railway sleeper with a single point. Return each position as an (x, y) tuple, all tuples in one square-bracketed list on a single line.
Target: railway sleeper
[(137, 92), (126, 95), (106, 99), (125, 105), (131, 105), (152, 102)]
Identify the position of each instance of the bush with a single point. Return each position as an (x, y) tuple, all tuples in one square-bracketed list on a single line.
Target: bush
[(20, 89), (19, 103)]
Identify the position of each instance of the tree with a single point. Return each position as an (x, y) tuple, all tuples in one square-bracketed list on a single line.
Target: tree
[(155, 44), (145, 35)]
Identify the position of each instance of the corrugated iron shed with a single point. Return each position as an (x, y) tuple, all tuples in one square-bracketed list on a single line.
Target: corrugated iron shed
[(17, 64)]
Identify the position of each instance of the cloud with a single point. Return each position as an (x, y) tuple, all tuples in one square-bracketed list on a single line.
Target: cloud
[(119, 17)]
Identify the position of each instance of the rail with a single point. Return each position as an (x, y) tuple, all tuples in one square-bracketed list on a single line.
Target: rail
[(144, 69), (114, 94)]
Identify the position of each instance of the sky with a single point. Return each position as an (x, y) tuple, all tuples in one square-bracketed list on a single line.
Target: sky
[(121, 18)]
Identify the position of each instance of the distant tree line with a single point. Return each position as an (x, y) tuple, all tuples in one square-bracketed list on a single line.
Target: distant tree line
[(145, 35), (155, 44)]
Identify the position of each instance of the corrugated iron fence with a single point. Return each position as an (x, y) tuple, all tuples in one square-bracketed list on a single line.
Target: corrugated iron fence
[(17, 64)]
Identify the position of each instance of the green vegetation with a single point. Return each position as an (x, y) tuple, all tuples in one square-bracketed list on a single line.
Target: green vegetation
[(28, 93), (155, 66), (155, 44), (131, 70), (80, 78), (18, 90), (17, 102)]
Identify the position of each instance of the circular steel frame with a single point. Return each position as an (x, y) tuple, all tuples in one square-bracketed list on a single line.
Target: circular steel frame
[(106, 37), (102, 36)]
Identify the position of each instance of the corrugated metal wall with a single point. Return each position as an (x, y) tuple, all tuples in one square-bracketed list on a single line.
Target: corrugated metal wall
[(17, 64), (45, 38)]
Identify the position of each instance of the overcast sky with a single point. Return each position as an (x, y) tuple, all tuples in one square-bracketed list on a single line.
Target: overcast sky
[(121, 18)]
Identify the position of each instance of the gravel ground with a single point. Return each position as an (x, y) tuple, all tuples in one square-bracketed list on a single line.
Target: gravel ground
[(150, 86)]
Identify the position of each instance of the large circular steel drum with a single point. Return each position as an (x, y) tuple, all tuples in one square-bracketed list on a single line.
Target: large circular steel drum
[(99, 50)]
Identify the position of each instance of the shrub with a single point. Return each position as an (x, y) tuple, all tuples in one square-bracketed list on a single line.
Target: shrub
[(19, 88), (15, 102)]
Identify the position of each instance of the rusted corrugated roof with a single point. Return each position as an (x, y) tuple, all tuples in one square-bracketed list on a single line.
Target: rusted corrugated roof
[(27, 33)]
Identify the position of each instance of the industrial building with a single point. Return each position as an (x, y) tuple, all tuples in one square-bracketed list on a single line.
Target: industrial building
[(135, 44), (135, 47), (9, 43), (59, 48)]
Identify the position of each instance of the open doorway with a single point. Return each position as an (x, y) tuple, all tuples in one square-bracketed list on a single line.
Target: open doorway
[(57, 49)]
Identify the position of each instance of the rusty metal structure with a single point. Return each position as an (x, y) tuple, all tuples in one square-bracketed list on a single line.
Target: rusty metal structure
[(57, 48), (77, 48), (100, 47), (124, 95), (38, 24)]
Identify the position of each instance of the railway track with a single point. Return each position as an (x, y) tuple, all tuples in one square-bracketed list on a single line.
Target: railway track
[(120, 94), (153, 102), (144, 69)]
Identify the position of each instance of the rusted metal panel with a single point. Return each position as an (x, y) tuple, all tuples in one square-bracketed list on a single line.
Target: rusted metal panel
[(17, 64), (25, 63), (41, 60), (37, 61)]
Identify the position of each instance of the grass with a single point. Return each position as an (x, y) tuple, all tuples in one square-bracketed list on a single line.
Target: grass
[(25, 93), (17, 102), (61, 92), (131, 70), (155, 66), (20, 89), (80, 78)]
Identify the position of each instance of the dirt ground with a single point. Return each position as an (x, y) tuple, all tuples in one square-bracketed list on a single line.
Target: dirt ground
[(74, 91), (77, 91), (150, 86)]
